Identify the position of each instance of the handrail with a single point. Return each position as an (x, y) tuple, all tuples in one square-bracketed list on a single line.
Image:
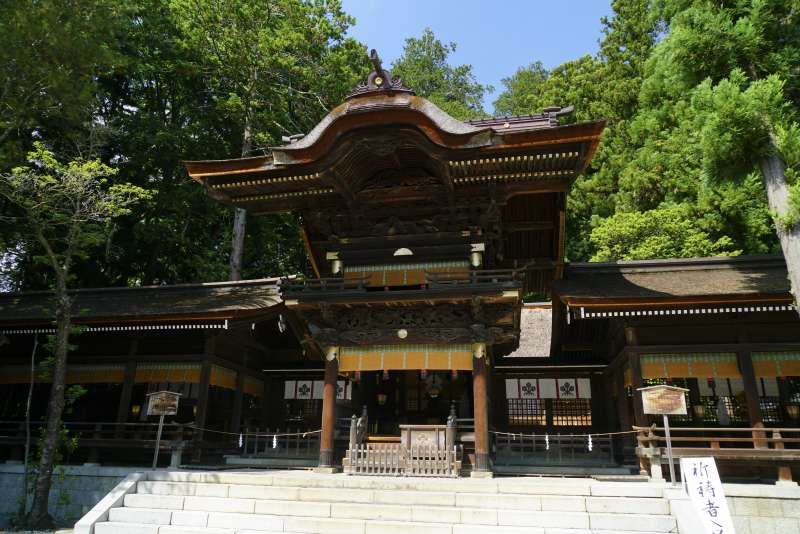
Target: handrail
[(716, 429)]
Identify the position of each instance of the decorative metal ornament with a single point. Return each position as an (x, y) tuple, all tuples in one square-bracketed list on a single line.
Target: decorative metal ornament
[(379, 81)]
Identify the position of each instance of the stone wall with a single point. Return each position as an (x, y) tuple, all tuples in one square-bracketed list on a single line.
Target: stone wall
[(764, 509), (73, 494)]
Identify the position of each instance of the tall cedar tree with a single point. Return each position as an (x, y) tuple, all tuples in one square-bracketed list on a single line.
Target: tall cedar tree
[(264, 56)]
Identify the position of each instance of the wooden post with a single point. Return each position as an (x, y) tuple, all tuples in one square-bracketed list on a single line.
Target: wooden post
[(202, 405), (236, 416), (328, 417), (635, 362), (480, 378), (124, 408), (751, 395)]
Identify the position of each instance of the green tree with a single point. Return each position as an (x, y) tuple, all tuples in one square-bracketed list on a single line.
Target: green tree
[(669, 231), (722, 88), (272, 65), (64, 209), (424, 67), (51, 53)]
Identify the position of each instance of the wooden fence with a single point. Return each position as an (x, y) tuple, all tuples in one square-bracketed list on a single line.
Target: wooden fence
[(394, 459), (775, 446), (553, 449), (280, 442)]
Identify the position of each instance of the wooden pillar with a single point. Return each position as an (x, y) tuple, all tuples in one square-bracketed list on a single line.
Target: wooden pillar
[(623, 410), (751, 396), (129, 378), (328, 415), (634, 360), (202, 405), (600, 403), (236, 416), (694, 400), (124, 408), (480, 379)]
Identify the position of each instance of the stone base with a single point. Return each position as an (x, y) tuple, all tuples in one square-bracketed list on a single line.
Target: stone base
[(786, 483), (326, 470), (481, 474)]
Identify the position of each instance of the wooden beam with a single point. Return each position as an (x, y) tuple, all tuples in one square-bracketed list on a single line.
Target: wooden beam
[(527, 226)]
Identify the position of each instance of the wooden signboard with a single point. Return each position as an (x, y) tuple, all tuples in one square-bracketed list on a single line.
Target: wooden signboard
[(664, 400), (162, 403)]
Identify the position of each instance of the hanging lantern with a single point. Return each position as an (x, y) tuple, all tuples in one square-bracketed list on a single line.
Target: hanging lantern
[(423, 374), (385, 374), (357, 376), (454, 374)]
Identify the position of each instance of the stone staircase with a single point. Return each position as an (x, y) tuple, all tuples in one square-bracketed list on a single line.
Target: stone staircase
[(305, 502)]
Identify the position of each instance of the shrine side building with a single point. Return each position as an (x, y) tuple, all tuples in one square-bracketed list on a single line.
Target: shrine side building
[(438, 304)]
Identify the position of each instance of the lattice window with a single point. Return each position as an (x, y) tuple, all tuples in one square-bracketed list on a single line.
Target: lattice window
[(526, 412), (572, 412), (771, 409), (303, 410), (737, 411)]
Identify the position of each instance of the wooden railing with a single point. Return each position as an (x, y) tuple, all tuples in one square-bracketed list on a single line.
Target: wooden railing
[(395, 459), (175, 437), (553, 449), (433, 280), (439, 280), (777, 446), (401, 456), (280, 442), (127, 435)]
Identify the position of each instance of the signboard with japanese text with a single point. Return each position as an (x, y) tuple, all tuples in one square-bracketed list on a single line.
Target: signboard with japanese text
[(664, 400), (162, 403), (702, 484)]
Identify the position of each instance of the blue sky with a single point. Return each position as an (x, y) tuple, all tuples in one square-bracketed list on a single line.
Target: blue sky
[(496, 37)]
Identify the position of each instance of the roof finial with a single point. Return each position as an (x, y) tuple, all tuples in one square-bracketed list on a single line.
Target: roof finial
[(376, 61), (379, 80)]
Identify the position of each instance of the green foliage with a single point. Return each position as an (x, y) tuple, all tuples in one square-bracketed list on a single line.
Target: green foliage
[(424, 67), (669, 231), (64, 208), (694, 93)]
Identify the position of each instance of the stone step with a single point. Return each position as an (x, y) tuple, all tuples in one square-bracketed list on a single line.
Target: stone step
[(378, 527), (358, 488), (271, 515), (528, 485)]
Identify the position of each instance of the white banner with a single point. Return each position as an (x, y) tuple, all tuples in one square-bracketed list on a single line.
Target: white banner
[(289, 389), (584, 388), (529, 388), (343, 390), (547, 388), (567, 389), (701, 482), (305, 389), (319, 387), (512, 388)]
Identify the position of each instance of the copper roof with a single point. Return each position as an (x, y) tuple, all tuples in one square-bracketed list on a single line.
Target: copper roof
[(695, 279), (221, 300)]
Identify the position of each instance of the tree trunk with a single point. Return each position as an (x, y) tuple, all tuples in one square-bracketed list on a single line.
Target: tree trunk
[(240, 215), (772, 170), (23, 504), (40, 518)]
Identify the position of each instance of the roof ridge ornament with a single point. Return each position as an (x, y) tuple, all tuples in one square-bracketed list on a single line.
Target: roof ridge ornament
[(379, 81)]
